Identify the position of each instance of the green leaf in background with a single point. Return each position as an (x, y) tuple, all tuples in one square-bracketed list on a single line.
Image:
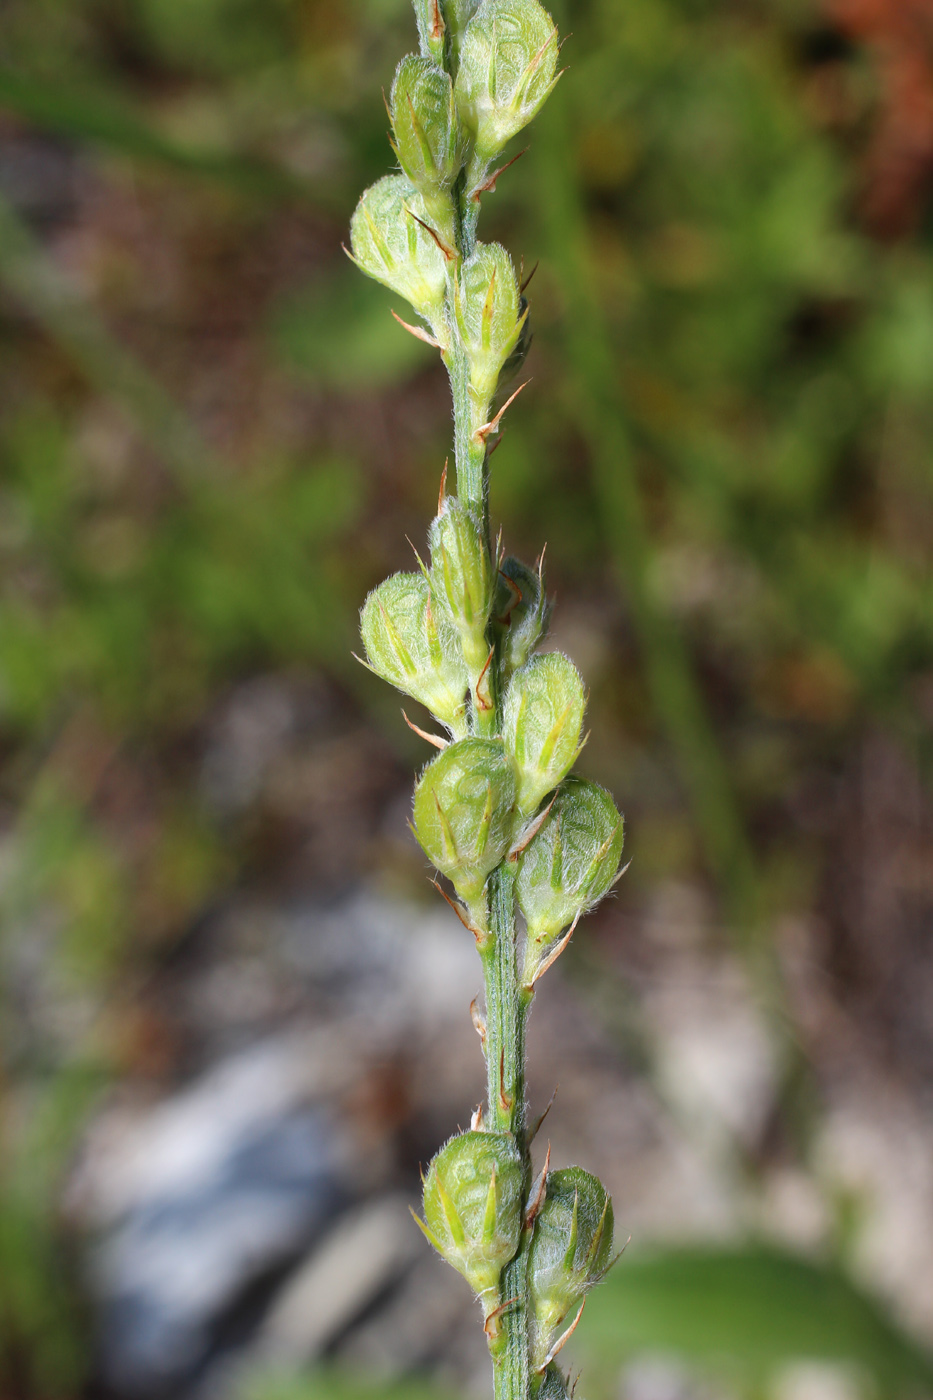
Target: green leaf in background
[(747, 1312), (340, 332), (108, 122)]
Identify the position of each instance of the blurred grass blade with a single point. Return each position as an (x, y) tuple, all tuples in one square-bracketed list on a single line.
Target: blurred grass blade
[(107, 122), (750, 1310)]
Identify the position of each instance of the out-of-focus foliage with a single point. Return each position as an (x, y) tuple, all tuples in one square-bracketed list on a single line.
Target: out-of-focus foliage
[(206, 418), (747, 1313)]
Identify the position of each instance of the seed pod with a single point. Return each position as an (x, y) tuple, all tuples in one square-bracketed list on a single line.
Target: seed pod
[(431, 29), (570, 863), (571, 1248), (464, 812), (551, 1385), (507, 62), (412, 648), (473, 1206), (462, 577), (486, 305), (541, 722), (391, 246), (429, 140), (521, 612)]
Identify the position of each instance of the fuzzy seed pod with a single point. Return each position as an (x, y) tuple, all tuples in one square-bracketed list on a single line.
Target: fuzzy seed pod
[(571, 862), (551, 1385), (486, 305), (473, 1207), (541, 722), (507, 63), (412, 648), (464, 812), (571, 1249), (391, 246), (432, 30), (429, 140), (461, 576), (521, 613)]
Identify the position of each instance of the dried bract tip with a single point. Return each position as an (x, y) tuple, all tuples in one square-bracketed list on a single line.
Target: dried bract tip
[(541, 723), (464, 812), (431, 29), (570, 864), (508, 61), (571, 1248), (472, 1207)]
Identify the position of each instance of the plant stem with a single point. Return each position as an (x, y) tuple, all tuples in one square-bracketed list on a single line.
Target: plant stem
[(505, 1016), (505, 1066)]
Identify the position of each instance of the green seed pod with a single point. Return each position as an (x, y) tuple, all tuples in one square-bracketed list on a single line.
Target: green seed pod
[(431, 29), (391, 246), (551, 1385), (412, 648), (570, 863), (571, 1248), (473, 1206), (464, 812), (486, 305), (541, 722), (462, 577), (429, 140), (521, 612), (507, 63)]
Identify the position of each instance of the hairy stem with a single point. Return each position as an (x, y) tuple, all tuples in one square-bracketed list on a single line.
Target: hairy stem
[(505, 1014), (505, 1066)]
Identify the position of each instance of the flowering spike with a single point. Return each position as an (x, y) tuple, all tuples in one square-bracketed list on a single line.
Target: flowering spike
[(460, 635)]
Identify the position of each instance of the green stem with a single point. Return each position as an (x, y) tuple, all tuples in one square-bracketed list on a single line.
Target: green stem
[(505, 1011), (505, 1065), (469, 453)]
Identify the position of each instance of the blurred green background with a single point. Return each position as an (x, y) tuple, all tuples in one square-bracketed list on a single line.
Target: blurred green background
[(214, 439)]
